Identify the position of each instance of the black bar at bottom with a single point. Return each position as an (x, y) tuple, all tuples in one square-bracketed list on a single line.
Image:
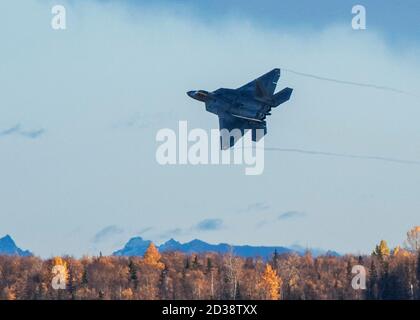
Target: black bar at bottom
[(202, 309)]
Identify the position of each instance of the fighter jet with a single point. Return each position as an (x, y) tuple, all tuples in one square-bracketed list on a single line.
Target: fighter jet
[(245, 108)]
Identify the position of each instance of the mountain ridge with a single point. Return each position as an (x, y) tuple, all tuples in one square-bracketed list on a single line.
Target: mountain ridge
[(137, 246), (200, 246)]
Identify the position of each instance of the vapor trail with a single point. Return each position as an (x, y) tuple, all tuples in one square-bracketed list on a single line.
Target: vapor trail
[(343, 155), (359, 84)]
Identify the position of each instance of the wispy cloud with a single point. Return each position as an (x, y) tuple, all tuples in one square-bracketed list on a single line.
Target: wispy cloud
[(288, 215), (201, 226), (107, 233), (10, 131), (262, 223), (171, 233), (255, 207), (209, 225), (291, 215), (17, 130), (33, 134), (144, 230)]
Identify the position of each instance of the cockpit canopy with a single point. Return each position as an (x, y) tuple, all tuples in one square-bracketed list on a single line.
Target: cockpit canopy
[(201, 95)]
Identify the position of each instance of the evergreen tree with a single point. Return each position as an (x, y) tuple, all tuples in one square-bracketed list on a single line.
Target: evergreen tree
[(275, 260), (71, 285), (385, 286), (195, 263), (209, 265), (163, 284), (85, 279), (373, 282), (132, 271)]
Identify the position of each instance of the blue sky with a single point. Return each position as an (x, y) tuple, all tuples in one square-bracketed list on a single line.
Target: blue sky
[(397, 20), (80, 109)]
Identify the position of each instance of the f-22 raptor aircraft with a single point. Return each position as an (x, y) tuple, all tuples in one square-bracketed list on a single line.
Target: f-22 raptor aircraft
[(245, 108)]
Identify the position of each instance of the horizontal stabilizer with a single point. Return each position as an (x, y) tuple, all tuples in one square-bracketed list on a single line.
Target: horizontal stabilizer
[(282, 96), (229, 137)]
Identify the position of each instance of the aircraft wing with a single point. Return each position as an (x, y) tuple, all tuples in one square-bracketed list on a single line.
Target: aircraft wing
[(264, 86), (229, 122)]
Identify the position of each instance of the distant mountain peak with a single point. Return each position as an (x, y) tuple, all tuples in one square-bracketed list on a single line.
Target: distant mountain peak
[(134, 247), (197, 241), (7, 239), (170, 245), (137, 241), (172, 242), (8, 247)]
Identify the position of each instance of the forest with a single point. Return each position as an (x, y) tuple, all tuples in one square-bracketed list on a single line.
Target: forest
[(390, 274)]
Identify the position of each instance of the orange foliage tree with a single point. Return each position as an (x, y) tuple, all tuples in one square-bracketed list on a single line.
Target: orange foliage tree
[(152, 257), (270, 284)]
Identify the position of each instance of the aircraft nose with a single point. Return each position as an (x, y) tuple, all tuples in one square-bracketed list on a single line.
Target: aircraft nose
[(191, 94)]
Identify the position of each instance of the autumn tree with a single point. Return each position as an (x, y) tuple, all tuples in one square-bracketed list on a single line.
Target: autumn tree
[(8, 293), (400, 252), (231, 270), (59, 277), (152, 257), (382, 250), (413, 239), (150, 273), (270, 284), (60, 262)]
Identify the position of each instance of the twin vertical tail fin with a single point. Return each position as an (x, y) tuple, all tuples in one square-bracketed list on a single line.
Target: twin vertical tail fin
[(260, 91), (282, 96)]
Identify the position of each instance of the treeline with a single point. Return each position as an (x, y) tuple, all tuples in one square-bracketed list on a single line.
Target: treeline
[(390, 274)]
